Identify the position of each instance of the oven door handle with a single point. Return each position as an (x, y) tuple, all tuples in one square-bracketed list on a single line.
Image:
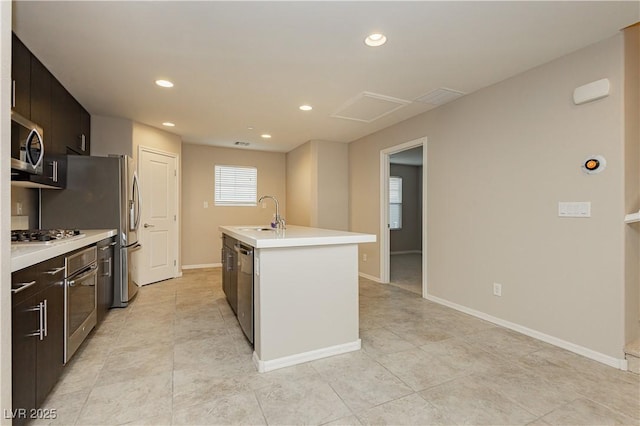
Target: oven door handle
[(56, 270), (84, 274)]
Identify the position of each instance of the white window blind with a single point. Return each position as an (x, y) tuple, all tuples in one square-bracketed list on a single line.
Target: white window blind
[(395, 202), (236, 186)]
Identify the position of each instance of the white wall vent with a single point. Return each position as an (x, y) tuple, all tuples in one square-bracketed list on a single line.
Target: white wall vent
[(240, 143), (440, 96), (367, 107)]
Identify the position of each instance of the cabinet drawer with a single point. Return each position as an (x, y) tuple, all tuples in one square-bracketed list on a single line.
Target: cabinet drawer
[(51, 271), (27, 282), (80, 259), (24, 284)]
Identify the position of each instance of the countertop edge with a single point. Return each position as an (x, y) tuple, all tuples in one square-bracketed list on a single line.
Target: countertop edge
[(26, 256), (341, 237)]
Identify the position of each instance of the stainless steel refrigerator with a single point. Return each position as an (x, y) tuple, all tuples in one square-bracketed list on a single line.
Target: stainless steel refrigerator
[(101, 193)]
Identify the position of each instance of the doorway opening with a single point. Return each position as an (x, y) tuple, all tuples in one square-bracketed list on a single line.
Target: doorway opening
[(403, 216)]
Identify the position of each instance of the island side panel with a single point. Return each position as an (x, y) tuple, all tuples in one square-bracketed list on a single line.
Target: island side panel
[(306, 299)]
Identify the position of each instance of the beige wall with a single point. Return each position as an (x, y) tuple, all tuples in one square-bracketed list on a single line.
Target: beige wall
[(298, 182), (30, 200), (409, 238), (201, 238), (332, 182), (151, 137), (499, 162), (632, 180), (111, 135), (5, 211), (318, 185)]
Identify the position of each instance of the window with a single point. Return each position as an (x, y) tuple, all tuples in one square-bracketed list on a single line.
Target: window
[(395, 202), (236, 186)]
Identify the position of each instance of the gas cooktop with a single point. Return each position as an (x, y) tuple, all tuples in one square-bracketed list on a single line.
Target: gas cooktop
[(44, 236)]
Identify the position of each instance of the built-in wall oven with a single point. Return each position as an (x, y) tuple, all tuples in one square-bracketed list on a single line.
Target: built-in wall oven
[(80, 298)]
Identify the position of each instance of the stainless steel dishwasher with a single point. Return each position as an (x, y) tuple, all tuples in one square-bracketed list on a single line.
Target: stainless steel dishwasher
[(245, 289), (230, 271)]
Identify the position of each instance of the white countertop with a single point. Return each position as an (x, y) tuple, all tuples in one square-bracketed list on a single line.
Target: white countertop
[(23, 256), (294, 236)]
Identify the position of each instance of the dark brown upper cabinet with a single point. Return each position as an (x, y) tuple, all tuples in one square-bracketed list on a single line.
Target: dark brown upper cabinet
[(41, 98), (20, 78)]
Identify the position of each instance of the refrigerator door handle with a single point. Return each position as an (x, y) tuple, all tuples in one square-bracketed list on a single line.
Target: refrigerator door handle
[(136, 202)]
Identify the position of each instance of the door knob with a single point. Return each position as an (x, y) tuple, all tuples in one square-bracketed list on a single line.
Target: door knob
[(146, 225)]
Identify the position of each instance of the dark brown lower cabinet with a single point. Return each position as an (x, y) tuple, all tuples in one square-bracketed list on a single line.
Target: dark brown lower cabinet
[(37, 335), (50, 350), (25, 320)]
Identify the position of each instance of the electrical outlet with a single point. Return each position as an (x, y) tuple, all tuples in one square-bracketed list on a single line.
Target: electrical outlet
[(206, 204), (497, 289), (18, 208), (364, 257)]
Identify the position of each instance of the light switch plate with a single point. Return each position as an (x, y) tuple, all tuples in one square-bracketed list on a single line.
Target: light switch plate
[(574, 208)]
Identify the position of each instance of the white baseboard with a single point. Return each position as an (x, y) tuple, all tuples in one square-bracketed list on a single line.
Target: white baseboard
[(288, 361), (620, 364), (406, 252), (202, 266), (370, 277)]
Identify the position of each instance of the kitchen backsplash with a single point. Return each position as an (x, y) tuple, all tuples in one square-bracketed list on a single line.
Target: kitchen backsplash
[(25, 202)]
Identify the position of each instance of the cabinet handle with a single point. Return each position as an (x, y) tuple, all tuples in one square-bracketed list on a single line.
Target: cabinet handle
[(83, 144), (108, 247), (45, 315), (13, 93), (22, 286), (55, 271), (107, 268), (40, 333), (54, 167)]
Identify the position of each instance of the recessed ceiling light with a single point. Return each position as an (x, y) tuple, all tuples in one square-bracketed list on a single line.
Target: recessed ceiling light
[(265, 136), (306, 107), (375, 40), (164, 83), (168, 124)]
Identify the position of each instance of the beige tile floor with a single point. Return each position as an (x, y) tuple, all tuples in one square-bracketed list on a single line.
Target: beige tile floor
[(177, 356), (405, 271)]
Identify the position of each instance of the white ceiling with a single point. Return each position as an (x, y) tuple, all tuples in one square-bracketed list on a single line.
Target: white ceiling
[(239, 64)]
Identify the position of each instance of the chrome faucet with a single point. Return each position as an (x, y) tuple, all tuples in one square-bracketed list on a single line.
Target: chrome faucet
[(279, 220)]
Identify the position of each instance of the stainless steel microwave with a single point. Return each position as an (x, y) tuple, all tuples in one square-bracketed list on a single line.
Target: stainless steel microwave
[(27, 145)]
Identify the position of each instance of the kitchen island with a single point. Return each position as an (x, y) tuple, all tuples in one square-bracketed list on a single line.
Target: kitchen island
[(305, 287)]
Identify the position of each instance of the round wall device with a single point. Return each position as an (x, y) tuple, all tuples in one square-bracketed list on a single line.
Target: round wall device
[(594, 164)]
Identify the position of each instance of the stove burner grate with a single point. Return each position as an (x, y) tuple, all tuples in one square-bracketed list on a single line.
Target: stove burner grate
[(42, 235)]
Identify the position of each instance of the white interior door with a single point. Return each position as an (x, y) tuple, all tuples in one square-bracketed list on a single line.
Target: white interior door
[(158, 232)]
